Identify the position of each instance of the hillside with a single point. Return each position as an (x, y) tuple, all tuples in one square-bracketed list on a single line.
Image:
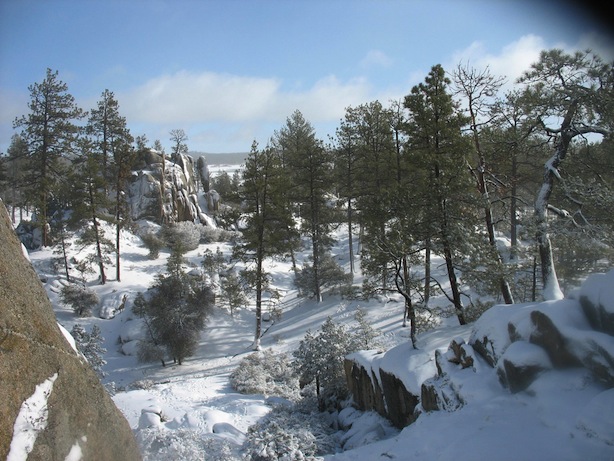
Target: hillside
[(178, 412)]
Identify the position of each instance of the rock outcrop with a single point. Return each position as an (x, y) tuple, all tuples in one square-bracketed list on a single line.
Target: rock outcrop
[(52, 402), (175, 202), (519, 343)]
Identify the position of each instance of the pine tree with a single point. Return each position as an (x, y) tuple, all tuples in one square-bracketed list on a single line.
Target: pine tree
[(175, 312), (13, 184), (112, 144), (576, 92), (375, 174), (438, 148), (50, 132), (319, 359), (90, 345), (309, 166), (476, 87), (269, 228), (91, 207)]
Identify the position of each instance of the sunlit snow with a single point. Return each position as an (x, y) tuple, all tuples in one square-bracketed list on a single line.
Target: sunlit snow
[(564, 416)]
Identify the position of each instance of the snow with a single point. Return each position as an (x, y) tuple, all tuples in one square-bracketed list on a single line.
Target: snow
[(75, 453), (599, 290), (69, 338), (31, 420), (564, 415)]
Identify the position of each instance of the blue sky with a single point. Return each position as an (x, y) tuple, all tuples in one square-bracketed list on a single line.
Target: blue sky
[(230, 72)]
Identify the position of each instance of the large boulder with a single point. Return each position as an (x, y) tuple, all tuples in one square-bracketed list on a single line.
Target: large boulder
[(520, 343), (597, 300), (53, 403), (175, 202)]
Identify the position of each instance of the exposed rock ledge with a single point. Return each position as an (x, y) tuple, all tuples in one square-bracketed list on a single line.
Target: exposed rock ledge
[(40, 370), (520, 342)]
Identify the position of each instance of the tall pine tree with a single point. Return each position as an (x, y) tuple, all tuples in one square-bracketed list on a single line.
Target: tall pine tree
[(113, 146), (269, 227), (50, 132), (437, 146), (309, 166)]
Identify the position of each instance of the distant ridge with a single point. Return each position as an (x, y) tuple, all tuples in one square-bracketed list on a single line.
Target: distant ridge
[(233, 158)]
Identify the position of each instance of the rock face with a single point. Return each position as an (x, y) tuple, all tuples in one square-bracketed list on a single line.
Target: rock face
[(47, 388), (176, 202), (520, 342)]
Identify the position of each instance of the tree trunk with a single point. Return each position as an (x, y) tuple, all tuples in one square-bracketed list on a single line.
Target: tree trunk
[(427, 271), (118, 225), (64, 255), (551, 288), (504, 286), (404, 290), (103, 277), (458, 304), (259, 288), (513, 209), (118, 258), (350, 241), (447, 252), (316, 269)]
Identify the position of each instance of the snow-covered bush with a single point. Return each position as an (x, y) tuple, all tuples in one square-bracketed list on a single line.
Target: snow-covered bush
[(266, 373), (174, 313), (80, 298), (477, 307), (213, 263), (213, 234), (365, 336), (153, 243), (90, 345), (183, 444), (319, 359), (290, 433), (147, 352), (182, 236), (233, 292)]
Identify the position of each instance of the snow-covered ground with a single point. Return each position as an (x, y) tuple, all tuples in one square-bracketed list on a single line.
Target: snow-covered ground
[(191, 409)]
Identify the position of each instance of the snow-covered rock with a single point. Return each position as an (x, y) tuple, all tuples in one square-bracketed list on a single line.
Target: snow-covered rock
[(597, 299), (175, 200), (517, 343)]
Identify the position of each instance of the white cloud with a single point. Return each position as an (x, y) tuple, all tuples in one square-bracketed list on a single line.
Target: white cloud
[(510, 63), (376, 58), (517, 57), (222, 112), (186, 97)]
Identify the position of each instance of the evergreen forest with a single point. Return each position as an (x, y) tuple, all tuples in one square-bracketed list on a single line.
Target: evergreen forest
[(513, 190)]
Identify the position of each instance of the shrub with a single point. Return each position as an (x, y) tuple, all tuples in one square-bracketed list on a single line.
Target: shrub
[(365, 336), (212, 235), (90, 345), (213, 263), (291, 433), (182, 236), (147, 352), (80, 298), (174, 313), (233, 292), (266, 373), (319, 359), (153, 243), (183, 443)]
